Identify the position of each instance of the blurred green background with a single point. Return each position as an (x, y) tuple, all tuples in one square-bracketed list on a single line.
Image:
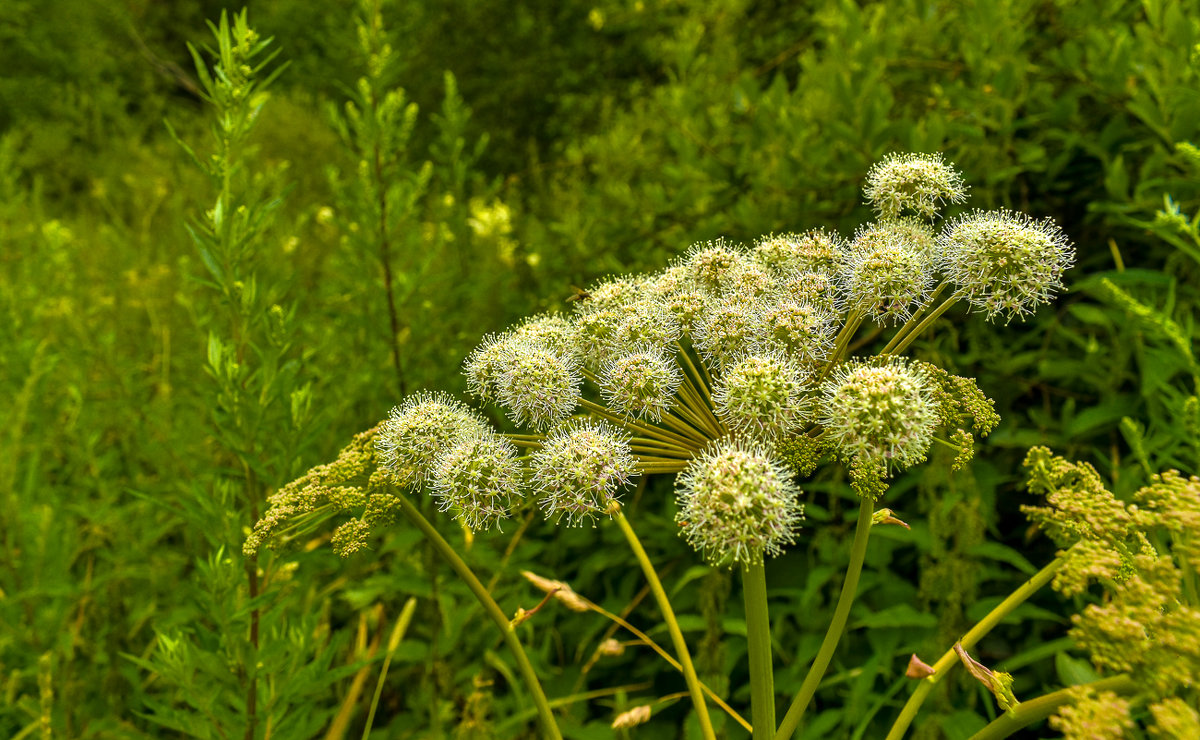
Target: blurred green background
[(551, 144)]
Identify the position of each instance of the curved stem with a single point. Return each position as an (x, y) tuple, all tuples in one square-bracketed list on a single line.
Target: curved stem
[(665, 656), (858, 552), (912, 321), (984, 626), (758, 635), (1035, 710), (668, 614), (443, 548)]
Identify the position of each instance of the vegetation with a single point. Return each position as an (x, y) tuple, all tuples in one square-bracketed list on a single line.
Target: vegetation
[(347, 199)]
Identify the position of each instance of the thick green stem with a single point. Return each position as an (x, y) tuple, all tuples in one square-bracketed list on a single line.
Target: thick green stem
[(1035, 710), (758, 635), (858, 552), (668, 614), (545, 715), (985, 625), (913, 321)]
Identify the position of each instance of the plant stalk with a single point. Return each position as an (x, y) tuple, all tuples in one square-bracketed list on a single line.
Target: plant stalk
[(858, 552), (1035, 710), (758, 635), (976, 633), (668, 614), (545, 715)]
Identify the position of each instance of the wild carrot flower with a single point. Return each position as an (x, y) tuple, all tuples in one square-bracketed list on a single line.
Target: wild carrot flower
[(737, 504), (579, 469)]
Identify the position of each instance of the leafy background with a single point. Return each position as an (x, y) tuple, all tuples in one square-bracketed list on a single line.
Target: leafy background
[(554, 143)]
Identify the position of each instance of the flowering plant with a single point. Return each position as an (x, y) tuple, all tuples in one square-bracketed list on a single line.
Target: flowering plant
[(733, 369)]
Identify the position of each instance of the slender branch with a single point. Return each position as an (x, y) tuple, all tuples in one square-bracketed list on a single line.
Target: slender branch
[(1035, 710), (640, 427), (912, 320), (667, 657), (933, 316), (758, 635), (545, 715), (858, 552), (976, 633), (668, 614)]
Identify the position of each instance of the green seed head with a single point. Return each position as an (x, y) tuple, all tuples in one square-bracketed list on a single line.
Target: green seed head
[(737, 504)]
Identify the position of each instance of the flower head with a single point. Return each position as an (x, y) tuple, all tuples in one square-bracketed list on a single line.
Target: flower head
[(478, 479), (1004, 263), (812, 251), (418, 431), (737, 504), (916, 182), (712, 264), (879, 413), (580, 468), (762, 397), (551, 329), (885, 274), (641, 384), (537, 385), (800, 330), (727, 329)]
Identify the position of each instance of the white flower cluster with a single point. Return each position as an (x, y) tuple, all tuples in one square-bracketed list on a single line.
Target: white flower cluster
[(712, 366)]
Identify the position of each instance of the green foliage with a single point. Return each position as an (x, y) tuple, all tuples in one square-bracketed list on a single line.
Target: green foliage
[(616, 133)]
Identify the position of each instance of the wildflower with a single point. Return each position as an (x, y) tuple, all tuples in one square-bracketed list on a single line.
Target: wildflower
[(816, 289), (537, 385), (761, 396), (800, 330), (712, 264), (879, 412), (579, 469), (644, 323), (917, 182), (419, 430), (641, 384), (1093, 715), (483, 366), (737, 504), (552, 330), (478, 479), (727, 330), (813, 251), (885, 274), (1004, 263)]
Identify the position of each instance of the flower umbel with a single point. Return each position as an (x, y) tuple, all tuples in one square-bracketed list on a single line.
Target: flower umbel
[(579, 470), (879, 413), (737, 504)]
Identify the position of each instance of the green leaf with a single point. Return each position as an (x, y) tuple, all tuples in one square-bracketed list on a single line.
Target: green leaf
[(900, 615), (1004, 554), (1074, 671)]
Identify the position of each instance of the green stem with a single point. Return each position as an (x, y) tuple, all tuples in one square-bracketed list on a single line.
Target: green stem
[(912, 321), (393, 643), (668, 614), (758, 635), (1035, 710), (985, 625), (858, 552), (853, 321), (545, 715), (921, 327)]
